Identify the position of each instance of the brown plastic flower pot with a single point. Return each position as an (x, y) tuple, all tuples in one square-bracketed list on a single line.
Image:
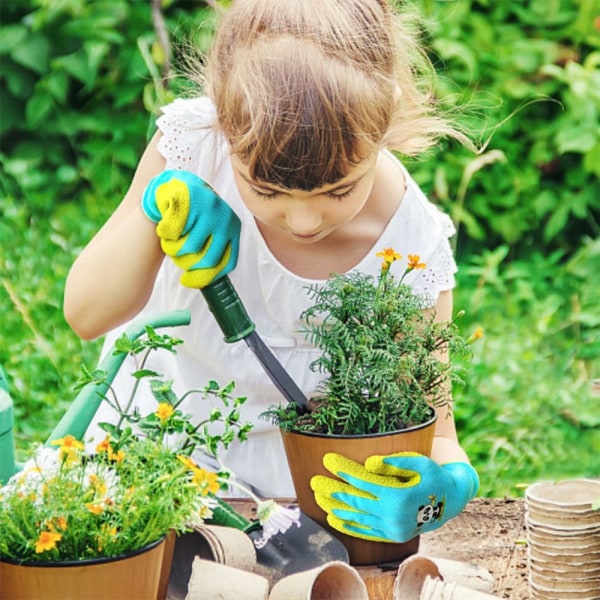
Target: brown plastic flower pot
[(305, 453), (134, 575)]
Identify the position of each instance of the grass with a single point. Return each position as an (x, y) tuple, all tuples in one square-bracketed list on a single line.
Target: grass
[(526, 413)]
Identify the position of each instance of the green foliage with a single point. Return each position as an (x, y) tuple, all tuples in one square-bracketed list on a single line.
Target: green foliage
[(380, 356), (528, 411), (528, 75), (200, 435), (77, 80)]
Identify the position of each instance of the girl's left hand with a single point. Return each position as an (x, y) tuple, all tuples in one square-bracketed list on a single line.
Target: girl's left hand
[(392, 498)]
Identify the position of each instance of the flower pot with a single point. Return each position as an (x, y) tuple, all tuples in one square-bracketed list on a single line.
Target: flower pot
[(128, 576), (305, 453)]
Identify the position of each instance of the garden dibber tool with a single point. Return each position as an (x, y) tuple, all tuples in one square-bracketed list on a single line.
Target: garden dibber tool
[(231, 315)]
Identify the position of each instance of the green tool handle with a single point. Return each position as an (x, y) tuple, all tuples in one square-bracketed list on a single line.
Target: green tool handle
[(228, 310), (227, 516)]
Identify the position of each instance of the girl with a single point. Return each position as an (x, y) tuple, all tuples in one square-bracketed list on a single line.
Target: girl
[(303, 101)]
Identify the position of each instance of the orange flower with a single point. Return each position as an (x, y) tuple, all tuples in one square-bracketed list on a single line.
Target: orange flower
[(164, 411), (58, 523), (389, 256), (413, 262), (47, 541)]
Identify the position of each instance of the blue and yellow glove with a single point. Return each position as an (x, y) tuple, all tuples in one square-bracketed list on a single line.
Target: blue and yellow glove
[(392, 498), (196, 227)]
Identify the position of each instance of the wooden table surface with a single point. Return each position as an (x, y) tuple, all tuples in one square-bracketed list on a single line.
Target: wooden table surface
[(489, 533)]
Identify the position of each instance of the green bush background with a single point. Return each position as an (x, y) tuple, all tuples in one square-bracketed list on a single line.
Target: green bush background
[(79, 81)]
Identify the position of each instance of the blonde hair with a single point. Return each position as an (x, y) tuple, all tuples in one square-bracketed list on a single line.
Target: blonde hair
[(304, 89)]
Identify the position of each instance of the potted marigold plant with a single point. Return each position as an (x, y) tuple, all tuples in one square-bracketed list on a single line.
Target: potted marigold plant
[(382, 378), (105, 515)]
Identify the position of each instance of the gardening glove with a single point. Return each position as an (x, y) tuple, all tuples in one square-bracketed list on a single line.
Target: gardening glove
[(196, 227), (392, 498)]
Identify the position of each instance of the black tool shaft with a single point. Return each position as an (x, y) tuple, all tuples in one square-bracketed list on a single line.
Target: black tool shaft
[(278, 375), (231, 315)]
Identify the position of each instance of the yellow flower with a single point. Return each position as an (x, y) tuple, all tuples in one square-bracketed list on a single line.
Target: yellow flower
[(104, 446), (58, 523), (68, 443), (164, 411), (47, 541), (95, 509), (107, 532), (389, 256), (188, 462), (98, 485), (476, 335), (116, 456), (206, 480), (413, 262), (69, 447)]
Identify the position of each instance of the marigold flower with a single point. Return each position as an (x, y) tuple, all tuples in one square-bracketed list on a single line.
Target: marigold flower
[(476, 335), (58, 523), (69, 446), (389, 256), (164, 411), (104, 446), (95, 509), (47, 541), (116, 456), (187, 461), (414, 262), (206, 480), (68, 443), (98, 485)]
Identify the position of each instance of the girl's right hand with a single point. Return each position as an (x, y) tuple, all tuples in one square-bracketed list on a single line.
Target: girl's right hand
[(196, 227)]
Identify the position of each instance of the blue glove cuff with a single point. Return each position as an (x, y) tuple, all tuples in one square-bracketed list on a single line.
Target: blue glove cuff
[(465, 476)]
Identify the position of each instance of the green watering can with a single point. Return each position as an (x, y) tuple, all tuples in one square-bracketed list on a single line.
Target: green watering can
[(79, 415)]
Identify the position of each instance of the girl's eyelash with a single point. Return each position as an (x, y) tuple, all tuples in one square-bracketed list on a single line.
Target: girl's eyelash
[(263, 194), (341, 196), (334, 195)]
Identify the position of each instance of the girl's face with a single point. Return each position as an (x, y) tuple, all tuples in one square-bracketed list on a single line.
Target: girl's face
[(307, 217)]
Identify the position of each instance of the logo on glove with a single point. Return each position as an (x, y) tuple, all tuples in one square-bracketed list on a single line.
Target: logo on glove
[(427, 513)]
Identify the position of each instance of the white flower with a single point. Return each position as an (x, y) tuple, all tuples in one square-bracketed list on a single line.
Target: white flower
[(42, 466), (103, 480), (275, 519)]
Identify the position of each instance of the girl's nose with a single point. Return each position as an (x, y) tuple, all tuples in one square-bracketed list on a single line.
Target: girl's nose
[(302, 220)]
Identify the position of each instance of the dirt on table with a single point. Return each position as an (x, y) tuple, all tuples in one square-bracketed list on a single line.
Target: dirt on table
[(490, 533)]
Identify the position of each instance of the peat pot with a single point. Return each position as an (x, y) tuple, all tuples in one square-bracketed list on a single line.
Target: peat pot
[(132, 576), (305, 453)]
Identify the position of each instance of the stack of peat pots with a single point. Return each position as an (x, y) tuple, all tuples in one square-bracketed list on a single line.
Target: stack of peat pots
[(563, 538)]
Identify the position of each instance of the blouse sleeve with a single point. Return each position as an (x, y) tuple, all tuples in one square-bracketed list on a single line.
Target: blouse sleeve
[(189, 139)]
